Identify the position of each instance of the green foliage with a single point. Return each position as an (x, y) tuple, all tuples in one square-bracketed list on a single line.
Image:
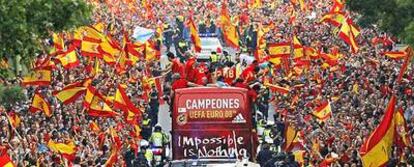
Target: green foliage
[(10, 95), (25, 23), (393, 16)]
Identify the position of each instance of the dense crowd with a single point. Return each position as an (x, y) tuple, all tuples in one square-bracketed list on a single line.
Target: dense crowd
[(358, 87)]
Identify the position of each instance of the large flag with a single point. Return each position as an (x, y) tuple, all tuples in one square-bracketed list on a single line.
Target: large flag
[(67, 150), (40, 77), (68, 59), (298, 51), (70, 92), (5, 160), (259, 53), (377, 149), (349, 33), (291, 137), (396, 54), (90, 48), (335, 18), (121, 101), (194, 34), (231, 36), (323, 112), (279, 50), (96, 104), (402, 135), (39, 103)]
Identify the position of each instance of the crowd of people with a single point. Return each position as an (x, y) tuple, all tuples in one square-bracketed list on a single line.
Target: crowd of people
[(358, 87)]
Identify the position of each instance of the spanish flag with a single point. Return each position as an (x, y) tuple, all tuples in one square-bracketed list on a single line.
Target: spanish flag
[(291, 137), (337, 6), (5, 160), (68, 150), (113, 158), (39, 103), (335, 18), (396, 54), (231, 36), (299, 156), (151, 52), (68, 59), (94, 127), (121, 101), (311, 53), (349, 33), (58, 42), (278, 89), (96, 104), (194, 34), (402, 135), (259, 53), (377, 149), (323, 112), (279, 50), (40, 77), (91, 47), (14, 119), (70, 92), (298, 51), (115, 138)]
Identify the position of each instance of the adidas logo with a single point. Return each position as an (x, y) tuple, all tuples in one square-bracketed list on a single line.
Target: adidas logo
[(239, 119)]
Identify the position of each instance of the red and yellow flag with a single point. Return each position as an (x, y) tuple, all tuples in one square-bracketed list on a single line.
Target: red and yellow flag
[(67, 150), (151, 52), (14, 119), (68, 59), (335, 18), (96, 104), (70, 92), (396, 54), (121, 101), (231, 36), (402, 135), (279, 50), (94, 127), (338, 6), (194, 34), (298, 51), (39, 103), (5, 161), (113, 158), (323, 112), (40, 77), (291, 137), (349, 33), (377, 149), (279, 89), (90, 48)]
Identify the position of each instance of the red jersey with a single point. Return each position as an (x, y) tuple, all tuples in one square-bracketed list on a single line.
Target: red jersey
[(177, 67), (189, 65), (179, 84), (248, 74), (230, 75)]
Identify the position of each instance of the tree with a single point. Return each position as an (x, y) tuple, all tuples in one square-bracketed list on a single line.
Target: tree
[(393, 16), (10, 96), (24, 24)]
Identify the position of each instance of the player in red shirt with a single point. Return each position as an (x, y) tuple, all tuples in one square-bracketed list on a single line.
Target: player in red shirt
[(176, 65), (229, 73), (190, 66)]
